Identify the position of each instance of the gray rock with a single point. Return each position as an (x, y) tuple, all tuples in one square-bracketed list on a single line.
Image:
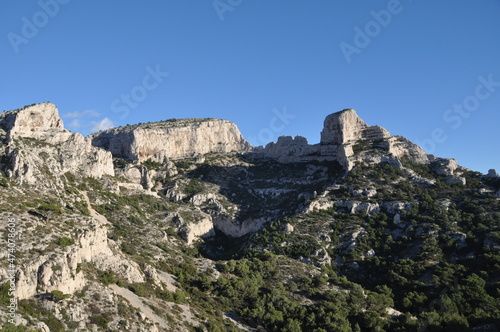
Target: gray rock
[(444, 166), (492, 173), (455, 180)]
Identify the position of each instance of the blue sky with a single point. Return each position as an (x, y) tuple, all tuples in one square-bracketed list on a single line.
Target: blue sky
[(427, 70)]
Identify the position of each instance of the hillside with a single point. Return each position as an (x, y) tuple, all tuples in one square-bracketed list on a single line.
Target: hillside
[(182, 225)]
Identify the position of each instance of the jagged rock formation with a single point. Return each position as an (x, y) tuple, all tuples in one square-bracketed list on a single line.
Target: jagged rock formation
[(37, 121), (172, 139), (37, 144), (346, 138)]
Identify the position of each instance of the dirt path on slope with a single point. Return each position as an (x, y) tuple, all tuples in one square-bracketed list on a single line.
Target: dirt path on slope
[(93, 213), (136, 301)]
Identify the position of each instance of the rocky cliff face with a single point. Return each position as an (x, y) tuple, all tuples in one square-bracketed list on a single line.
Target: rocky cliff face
[(346, 138), (172, 139), (38, 121), (37, 145)]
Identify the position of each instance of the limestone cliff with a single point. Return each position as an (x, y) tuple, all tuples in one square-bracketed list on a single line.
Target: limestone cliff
[(37, 121), (37, 146), (171, 139)]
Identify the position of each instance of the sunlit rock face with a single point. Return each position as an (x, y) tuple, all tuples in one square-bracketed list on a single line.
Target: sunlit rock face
[(36, 141), (39, 121), (346, 138), (172, 139)]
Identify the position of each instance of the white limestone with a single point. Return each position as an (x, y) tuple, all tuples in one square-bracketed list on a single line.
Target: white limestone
[(172, 139)]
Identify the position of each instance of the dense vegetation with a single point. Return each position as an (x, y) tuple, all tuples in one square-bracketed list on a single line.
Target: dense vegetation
[(417, 256), (438, 266)]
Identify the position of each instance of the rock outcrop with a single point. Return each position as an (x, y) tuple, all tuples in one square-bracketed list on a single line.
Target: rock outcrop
[(62, 271), (201, 226), (171, 139), (492, 173), (38, 144), (289, 148), (346, 138), (37, 121)]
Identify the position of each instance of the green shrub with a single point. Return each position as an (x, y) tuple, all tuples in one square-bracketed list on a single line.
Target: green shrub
[(9, 327), (81, 206), (194, 186), (4, 294), (65, 241), (94, 183), (101, 320), (141, 289), (120, 163), (108, 277), (58, 296), (3, 180), (182, 164), (151, 164), (70, 177), (54, 324), (49, 207)]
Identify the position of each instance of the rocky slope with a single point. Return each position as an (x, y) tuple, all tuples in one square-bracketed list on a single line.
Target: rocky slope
[(183, 226)]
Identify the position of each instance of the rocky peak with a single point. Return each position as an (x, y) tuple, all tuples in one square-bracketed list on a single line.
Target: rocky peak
[(38, 121), (345, 126), (346, 138), (37, 141), (172, 139)]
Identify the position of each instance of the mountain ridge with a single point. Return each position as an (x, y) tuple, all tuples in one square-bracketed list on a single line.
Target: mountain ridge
[(362, 231)]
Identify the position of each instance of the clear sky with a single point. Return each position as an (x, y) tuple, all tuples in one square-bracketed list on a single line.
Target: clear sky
[(428, 70)]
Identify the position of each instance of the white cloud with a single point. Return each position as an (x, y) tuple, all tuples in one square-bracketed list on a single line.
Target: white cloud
[(75, 124), (102, 125), (81, 114)]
